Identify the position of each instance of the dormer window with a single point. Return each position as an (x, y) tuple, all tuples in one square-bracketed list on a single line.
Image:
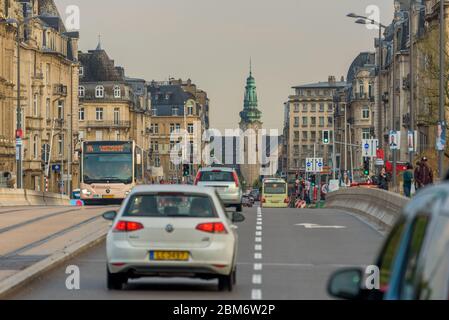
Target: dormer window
[(117, 92), (99, 92), (167, 96), (81, 71), (175, 111), (81, 92)]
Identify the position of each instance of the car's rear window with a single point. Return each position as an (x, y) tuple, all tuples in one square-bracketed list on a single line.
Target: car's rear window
[(216, 176), (275, 188), (173, 205)]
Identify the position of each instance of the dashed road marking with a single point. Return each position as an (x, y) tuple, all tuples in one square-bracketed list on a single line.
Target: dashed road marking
[(258, 227), (256, 294), (257, 266), (258, 239), (258, 247), (257, 279), (258, 233), (258, 256)]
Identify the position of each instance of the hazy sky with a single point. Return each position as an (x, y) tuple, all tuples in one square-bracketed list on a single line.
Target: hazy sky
[(291, 42)]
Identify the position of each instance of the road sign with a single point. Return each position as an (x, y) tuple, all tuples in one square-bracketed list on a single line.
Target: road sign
[(395, 140), (412, 138), (319, 165), (369, 147), (314, 165), (56, 168), (309, 165), (19, 142), (441, 136)]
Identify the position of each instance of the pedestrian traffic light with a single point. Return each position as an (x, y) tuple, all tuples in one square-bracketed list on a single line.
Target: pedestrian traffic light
[(326, 137), (186, 170), (366, 166)]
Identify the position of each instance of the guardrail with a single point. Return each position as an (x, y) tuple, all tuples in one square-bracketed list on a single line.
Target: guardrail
[(20, 197), (378, 206)]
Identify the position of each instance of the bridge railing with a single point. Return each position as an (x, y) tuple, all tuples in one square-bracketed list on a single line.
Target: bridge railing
[(20, 197), (378, 206)]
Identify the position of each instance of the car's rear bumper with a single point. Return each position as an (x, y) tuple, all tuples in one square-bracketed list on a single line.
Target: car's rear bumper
[(275, 205), (216, 259), (230, 199)]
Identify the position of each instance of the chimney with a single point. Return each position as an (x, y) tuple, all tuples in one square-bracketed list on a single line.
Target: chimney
[(331, 80)]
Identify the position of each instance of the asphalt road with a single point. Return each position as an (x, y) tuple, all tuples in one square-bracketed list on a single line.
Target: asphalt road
[(284, 254)]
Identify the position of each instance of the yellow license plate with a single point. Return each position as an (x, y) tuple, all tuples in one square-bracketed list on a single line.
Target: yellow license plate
[(169, 255), (109, 196)]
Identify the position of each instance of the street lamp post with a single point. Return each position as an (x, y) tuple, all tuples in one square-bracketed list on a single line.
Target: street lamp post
[(19, 124)]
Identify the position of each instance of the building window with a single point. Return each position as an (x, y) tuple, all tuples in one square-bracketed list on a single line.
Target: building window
[(313, 121), (365, 112), (81, 114), (370, 90), (305, 121), (81, 92), (296, 135), (296, 124), (296, 106), (116, 116), (330, 107), (321, 107), (313, 136), (99, 114), (330, 121), (35, 146), (361, 88), (172, 127), (47, 108), (157, 162), (366, 133), (154, 112), (155, 128), (61, 144), (304, 107), (47, 74), (321, 121), (304, 135), (175, 111), (313, 108), (99, 92), (36, 105), (61, 110), (190, 110), (178, 127), (190, 128), (117, 92), (98, 135)]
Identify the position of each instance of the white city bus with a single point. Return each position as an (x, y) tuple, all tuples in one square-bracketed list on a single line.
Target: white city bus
[(109, 170)]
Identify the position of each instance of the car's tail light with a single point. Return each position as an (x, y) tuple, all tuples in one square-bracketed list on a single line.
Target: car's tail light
[(128, 226), (236, 178), (212, 227), (198, 177)]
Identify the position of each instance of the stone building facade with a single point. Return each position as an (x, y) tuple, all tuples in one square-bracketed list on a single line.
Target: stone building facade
[(49, 82), (113, 107)]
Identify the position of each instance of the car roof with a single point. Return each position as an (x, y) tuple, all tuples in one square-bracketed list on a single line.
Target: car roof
[(172, 188), (421, 201), (208, 169)]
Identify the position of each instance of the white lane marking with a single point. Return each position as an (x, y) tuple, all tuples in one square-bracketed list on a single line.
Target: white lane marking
[(257, 279), (259, 223), (258, 256), (258, 227), (259, 210), (316, 226), (256, 294), (258, 233), (258, 239), (301, 265), (258, 247), (257, 266)]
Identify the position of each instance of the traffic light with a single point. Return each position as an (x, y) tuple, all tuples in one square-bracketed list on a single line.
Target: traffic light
[(366, 166), (326, 137), (313, 181), (185, 170)]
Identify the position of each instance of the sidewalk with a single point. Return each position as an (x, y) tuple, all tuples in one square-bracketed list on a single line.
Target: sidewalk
[(35, 239)]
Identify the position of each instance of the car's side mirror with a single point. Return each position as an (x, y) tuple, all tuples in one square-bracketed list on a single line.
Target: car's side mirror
[(110, 215), (237, 217), (346, 284)]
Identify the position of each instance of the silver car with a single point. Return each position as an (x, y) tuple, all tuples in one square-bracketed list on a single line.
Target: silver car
[(225, 181)]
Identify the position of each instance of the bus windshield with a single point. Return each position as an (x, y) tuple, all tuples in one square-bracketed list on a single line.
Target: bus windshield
[(275, 188), (108, 168)]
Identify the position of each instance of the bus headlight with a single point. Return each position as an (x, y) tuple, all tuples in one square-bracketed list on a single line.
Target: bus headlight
[(86, 192)]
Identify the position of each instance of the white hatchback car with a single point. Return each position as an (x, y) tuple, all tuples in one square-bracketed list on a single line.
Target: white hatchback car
[(172, 231)]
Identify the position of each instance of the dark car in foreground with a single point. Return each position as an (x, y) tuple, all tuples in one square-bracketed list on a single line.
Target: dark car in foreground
[(413, 263)]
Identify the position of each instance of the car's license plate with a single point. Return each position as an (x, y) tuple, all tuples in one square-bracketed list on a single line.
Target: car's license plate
[(169, 255), (108, 196)]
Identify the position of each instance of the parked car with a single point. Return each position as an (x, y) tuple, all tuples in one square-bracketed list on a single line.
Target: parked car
[(414, 261), (225, 181), (172, 231)]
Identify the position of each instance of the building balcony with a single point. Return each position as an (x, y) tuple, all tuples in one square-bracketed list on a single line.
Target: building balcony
[(60, 90), (106, 124)]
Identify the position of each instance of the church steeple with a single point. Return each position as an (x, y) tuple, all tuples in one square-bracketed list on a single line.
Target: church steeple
[(250, 112)]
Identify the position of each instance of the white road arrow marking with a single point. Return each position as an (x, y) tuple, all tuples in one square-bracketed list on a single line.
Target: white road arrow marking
[(316, 226)]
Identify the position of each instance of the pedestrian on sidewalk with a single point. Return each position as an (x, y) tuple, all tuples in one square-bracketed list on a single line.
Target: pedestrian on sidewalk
[(383, 179), (416, 174), (408, 180), (425, 174)]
